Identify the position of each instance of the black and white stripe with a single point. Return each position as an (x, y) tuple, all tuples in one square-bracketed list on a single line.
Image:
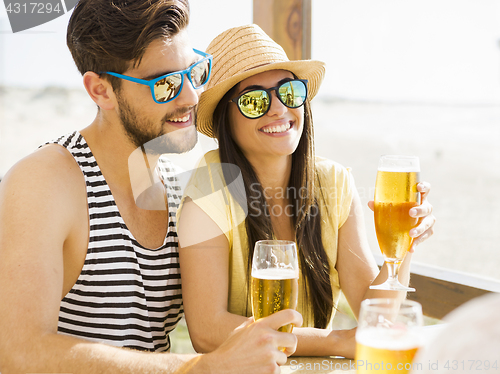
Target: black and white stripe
[(126, 295)]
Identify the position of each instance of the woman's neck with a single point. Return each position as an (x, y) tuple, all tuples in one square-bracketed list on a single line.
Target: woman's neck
[(274, 175)]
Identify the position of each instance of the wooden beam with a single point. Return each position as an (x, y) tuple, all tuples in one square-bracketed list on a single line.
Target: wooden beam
[(288, 23), (441, 290)]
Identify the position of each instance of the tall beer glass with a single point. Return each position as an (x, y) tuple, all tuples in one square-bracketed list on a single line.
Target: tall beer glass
[(275, 278), (387, 337), (395, 194)]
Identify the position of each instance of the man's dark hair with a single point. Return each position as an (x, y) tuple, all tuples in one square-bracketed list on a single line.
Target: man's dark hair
[(112, 35)]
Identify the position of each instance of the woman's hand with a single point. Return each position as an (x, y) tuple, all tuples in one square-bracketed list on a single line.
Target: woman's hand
[(426, 221), (345, 341)]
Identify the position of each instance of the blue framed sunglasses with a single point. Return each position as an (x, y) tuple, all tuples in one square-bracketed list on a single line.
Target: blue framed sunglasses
[(167, 87)]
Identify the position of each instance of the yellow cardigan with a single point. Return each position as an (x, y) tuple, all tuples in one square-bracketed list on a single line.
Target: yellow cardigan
[(208, 190)]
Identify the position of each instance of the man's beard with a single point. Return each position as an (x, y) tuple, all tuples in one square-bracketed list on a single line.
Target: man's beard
[(156, 142)]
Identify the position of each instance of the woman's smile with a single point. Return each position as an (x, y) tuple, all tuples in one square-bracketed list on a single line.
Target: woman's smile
[(277, 128)]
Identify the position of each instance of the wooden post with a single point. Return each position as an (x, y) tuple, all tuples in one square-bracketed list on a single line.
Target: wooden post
[(288, 23)]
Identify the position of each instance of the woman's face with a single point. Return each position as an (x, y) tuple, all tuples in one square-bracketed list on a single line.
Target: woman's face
[(275, 134)]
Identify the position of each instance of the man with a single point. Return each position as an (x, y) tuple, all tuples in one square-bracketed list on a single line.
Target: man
[(89, 281)]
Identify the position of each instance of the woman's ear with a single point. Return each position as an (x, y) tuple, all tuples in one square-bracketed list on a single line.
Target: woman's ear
[(99, 90)]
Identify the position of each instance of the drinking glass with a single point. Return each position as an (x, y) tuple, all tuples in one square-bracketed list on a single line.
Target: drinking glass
[(388, 335), (275, 278), (395, 194)]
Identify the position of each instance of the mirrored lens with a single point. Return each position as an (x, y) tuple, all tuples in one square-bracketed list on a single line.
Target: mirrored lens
[(293, 93), (167, 88), (254, 103), (199, 73)]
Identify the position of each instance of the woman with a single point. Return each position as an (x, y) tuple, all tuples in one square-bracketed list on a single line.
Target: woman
[(257, 106)]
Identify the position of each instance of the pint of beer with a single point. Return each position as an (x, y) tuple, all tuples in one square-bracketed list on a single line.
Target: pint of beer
[(395, 194), (387, 337), (383, 351), (272, 291), (275, 278)]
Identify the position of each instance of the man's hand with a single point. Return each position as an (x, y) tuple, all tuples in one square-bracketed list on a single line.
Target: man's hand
[(254, 347)]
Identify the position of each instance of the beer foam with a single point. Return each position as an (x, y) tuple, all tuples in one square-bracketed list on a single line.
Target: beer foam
[(405, 164), (400, 169), (275, 274), (386, 338)]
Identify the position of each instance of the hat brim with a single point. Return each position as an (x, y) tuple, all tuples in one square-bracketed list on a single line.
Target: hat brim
[(312, 70)]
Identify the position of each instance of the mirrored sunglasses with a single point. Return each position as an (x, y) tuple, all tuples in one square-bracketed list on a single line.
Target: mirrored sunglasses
[(167, 87), (256, 103)]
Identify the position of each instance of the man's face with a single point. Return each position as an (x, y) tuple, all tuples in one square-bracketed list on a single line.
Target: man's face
[(160, 128)]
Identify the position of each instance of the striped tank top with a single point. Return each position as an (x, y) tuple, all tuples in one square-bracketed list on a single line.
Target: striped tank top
[(126, 295)]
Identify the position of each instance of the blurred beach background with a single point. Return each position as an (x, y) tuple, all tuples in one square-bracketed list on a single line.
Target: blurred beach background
[(403, 77)]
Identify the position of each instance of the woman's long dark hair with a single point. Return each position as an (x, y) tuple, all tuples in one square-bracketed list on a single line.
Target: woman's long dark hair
[(313, 259)]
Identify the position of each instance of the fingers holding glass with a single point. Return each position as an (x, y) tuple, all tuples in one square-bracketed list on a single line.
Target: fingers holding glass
[(423, 232), (424, 188)]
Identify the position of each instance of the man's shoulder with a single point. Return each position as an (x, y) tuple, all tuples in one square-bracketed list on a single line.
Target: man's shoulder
[(52, 160), (49, 170)]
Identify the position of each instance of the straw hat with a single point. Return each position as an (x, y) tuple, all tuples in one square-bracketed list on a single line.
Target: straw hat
[(242, 52)]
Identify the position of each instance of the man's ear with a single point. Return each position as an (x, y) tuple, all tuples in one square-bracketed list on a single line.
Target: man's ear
[(99, 90)]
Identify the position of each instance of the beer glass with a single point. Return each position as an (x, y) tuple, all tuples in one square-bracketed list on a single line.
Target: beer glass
[(275, 278), (387, 337), (395, 194)]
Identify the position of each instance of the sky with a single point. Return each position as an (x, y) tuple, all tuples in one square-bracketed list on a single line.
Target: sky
[(431, 51)]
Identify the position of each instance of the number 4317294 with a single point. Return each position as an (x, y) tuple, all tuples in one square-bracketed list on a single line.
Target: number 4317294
[(471, 365), (32, 8)]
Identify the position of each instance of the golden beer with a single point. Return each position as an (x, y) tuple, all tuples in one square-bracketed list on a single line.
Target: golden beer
[(274, 290), (382, 350), (395, 194)]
